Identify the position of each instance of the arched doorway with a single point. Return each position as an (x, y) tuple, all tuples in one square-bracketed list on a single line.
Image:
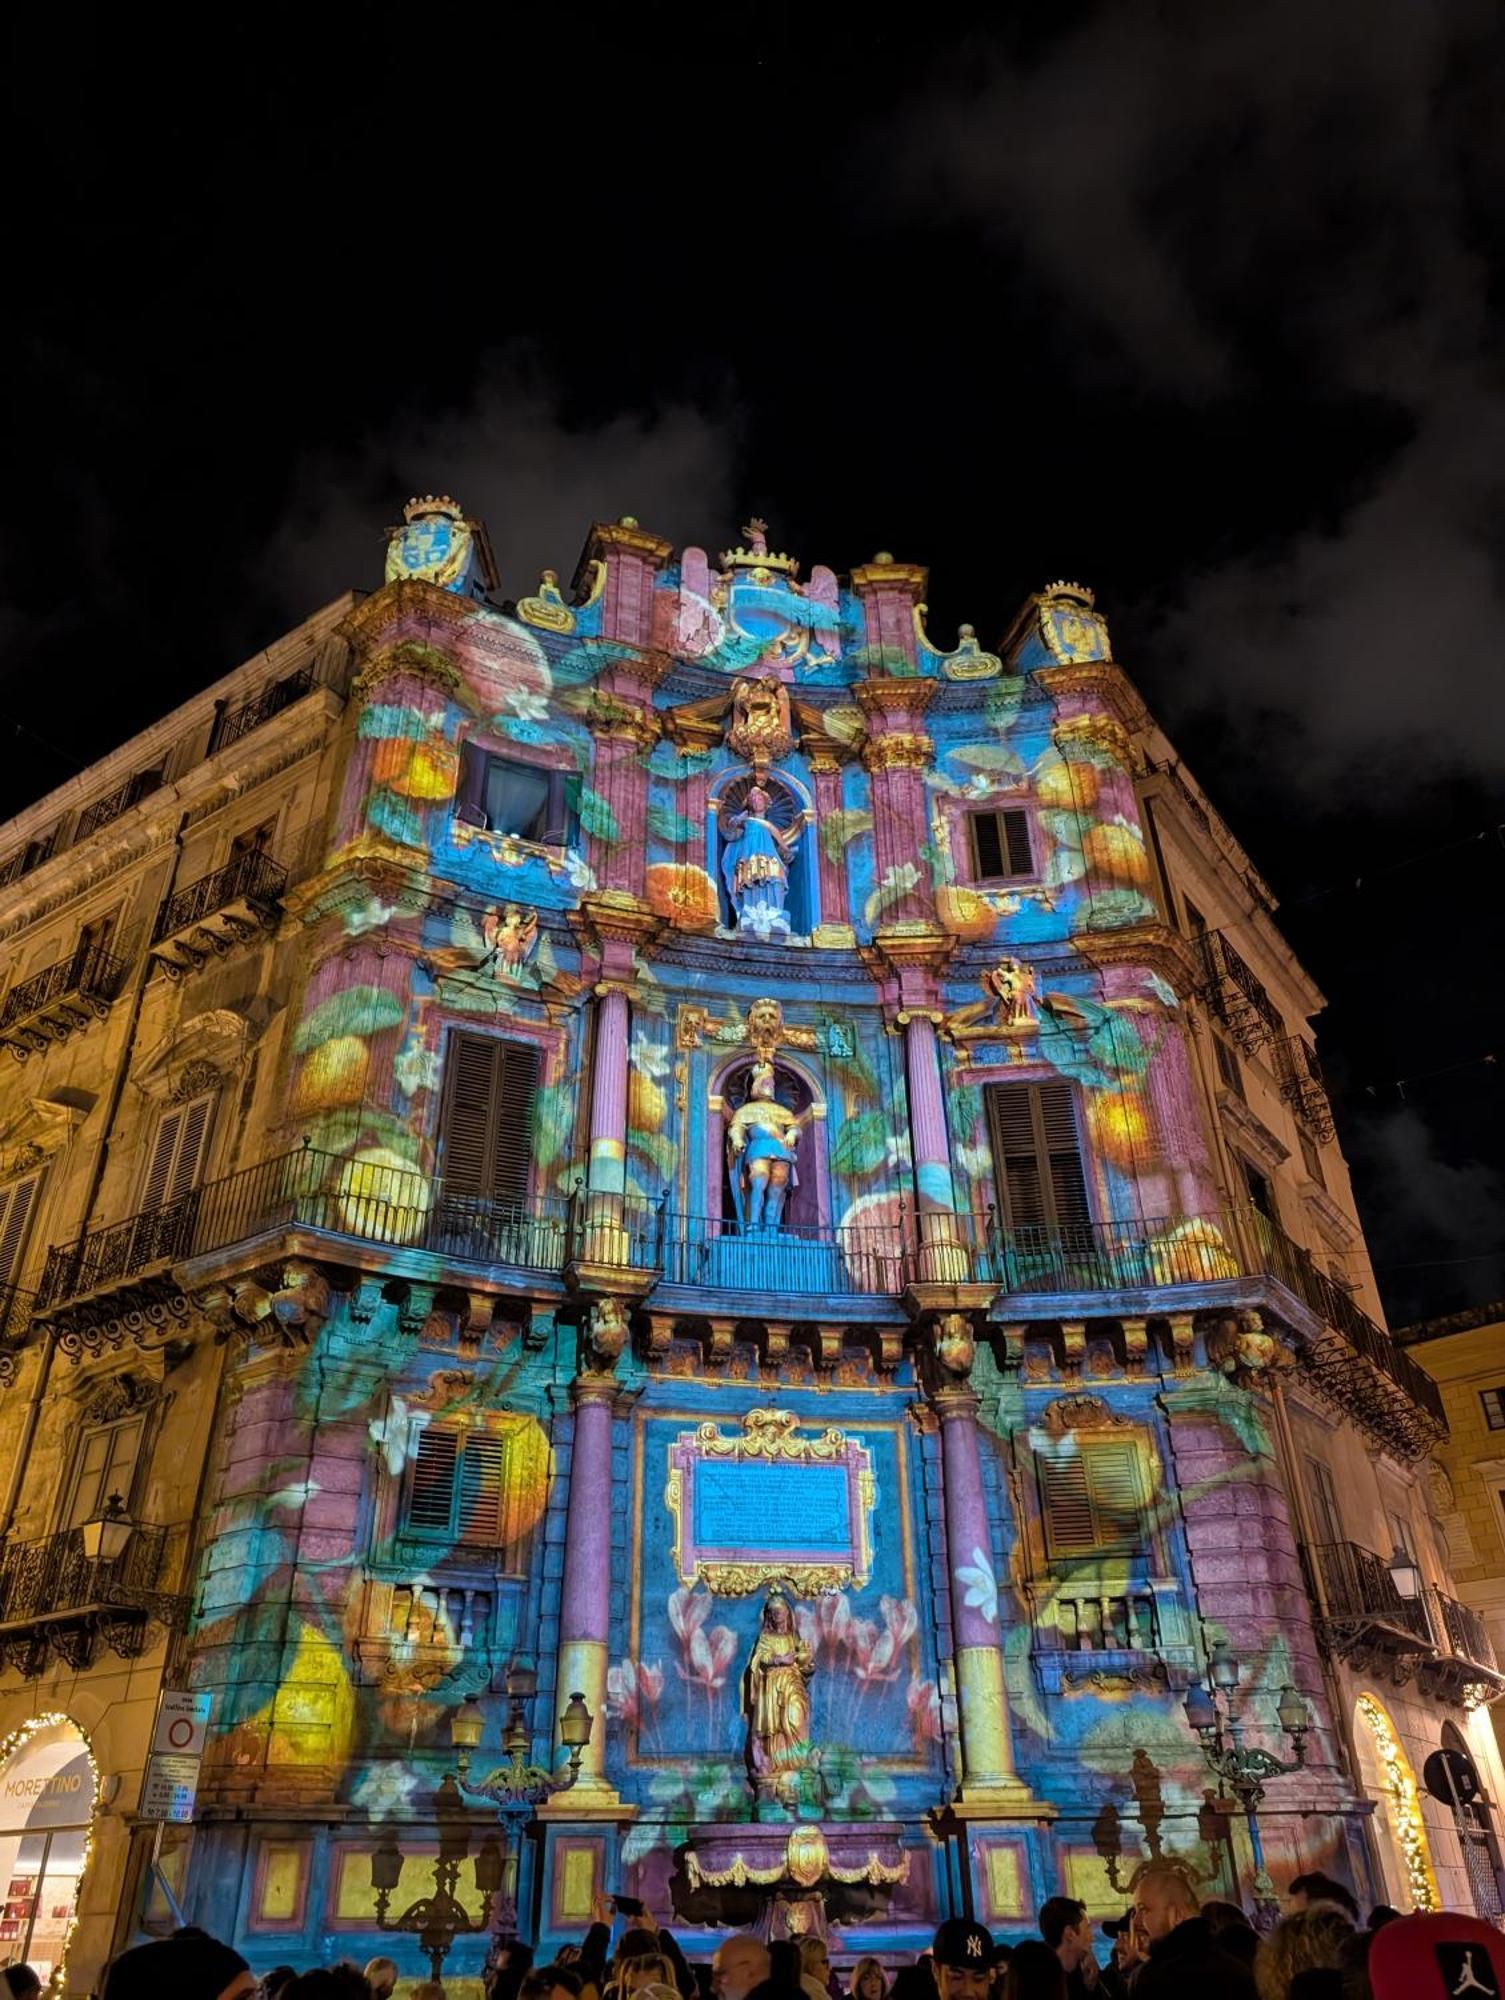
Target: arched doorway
[(1385, 1769), (1476, 1837), (47, 1797)]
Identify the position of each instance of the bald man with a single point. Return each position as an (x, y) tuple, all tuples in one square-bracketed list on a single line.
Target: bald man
[(1183, 1954), (739, 1965)]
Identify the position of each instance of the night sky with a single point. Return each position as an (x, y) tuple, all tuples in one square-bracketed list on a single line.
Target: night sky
[(1199, 304)]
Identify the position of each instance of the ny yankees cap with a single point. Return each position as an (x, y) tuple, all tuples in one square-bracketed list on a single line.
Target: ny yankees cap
[(961, 1943), (1437, 1958)]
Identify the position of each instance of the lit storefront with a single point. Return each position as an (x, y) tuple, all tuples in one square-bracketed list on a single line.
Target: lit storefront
[(47, 1797)]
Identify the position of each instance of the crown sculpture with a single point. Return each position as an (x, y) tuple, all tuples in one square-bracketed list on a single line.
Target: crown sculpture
[(757, 555)]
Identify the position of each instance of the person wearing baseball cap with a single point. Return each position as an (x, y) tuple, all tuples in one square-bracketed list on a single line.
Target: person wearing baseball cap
[(1437, 1958), (961, 1959)]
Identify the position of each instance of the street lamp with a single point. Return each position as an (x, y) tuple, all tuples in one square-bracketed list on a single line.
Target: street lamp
[(1405, 1575), (105, 1536), (514, 1791), (1243, 1768)]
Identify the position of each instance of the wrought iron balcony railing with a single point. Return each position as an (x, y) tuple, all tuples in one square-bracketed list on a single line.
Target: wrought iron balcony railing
[(1236, 994), (54, 1004), (16, 1308), (1460, 1631), (139, 786), (1360, 1594), (32, 855), (238, 722), (322, 1192), (1302, 1086), (799, 1259), (46, 1578), (252, 879)]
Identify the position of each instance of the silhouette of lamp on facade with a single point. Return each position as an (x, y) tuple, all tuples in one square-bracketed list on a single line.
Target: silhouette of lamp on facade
[(1242, 1769), (514, 1791)]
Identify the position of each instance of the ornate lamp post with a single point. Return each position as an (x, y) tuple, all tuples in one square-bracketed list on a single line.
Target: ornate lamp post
[(436, 1920), (1241, 1768), (516, 1789)]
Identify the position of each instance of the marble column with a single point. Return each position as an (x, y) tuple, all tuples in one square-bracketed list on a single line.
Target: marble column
[(585, 1603), (989, 1783), (942, 1255), (608, 1137)]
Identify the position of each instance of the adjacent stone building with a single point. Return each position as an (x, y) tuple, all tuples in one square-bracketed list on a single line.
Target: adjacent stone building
[(677, 1141)]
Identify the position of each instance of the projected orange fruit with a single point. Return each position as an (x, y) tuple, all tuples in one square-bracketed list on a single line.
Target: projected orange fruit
[(964, 914), (1119, 1127), (333, 1075), (1116, 854)]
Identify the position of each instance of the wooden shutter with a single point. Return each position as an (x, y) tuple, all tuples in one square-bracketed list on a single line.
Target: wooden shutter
[(1038, 1155), (1016, 842), (431, 1497), (1092, 1500), (1326, 1518), (177, 1153), (18, 1201), (486, 1125), (483, 1467)]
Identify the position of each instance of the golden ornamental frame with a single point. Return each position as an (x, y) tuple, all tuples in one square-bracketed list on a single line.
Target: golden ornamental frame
[(770, 1435)]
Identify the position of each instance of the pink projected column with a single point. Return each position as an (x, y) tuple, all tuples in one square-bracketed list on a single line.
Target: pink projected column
[(585, 1605)]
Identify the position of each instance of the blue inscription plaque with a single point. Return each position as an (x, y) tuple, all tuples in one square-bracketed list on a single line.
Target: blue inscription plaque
[(772, 1509)]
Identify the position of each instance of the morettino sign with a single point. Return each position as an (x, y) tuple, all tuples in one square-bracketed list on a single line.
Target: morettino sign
[(767, 1505)]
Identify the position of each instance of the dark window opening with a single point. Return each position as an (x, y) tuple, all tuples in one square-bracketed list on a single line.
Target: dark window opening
[(1310, 1156), (1493, 1401), (1261, 1194), (1229, 1068), (529, 801), (1001, 845)]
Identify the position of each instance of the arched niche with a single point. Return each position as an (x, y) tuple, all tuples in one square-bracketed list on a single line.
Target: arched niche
[(1387, 1776), (48, 1792), (808, 1204), (790, 808)]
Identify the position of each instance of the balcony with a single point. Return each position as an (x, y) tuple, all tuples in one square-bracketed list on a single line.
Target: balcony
[(113, 804), (1345, 1352), (1236, 995), (239, 722), (712, 1253), (130, 1263), (1303, 1088), (57, 1604), (1115, 1638), (210, 917), (57, 1003), (1461, 1632), (16, 1309), (1366, 1621)]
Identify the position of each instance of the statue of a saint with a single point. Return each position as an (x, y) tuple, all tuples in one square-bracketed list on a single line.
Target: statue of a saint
[(777, 1695), (760, 1152), (755, 865)]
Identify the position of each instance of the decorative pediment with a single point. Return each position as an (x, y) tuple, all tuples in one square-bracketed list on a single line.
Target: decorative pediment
[(195, 1056), (1082, 1413), (42, 1127)]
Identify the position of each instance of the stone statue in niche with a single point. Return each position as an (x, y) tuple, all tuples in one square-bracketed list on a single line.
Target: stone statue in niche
[(755, 862), (761, 1143), (777, 1698)]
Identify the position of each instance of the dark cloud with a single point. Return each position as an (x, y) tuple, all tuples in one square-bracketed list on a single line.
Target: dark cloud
[(1445, 1212), (1236, 197), (512, 460)]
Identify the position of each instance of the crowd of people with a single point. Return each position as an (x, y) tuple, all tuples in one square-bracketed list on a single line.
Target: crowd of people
[(1168, 1946)]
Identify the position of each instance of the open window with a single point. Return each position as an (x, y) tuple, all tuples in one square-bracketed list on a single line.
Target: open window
[(509, 795)]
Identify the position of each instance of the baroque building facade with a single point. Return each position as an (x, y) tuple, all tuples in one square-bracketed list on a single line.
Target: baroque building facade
[(678, 1142)]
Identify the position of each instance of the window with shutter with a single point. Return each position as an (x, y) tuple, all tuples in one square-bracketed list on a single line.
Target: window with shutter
[(1001, 845), (1323, 1496), (177, 1153), (458, 1486), (1092, 1499), (18, 1204), (486, 1123), (105, 1464), (431, 1495), (1037, 1155)]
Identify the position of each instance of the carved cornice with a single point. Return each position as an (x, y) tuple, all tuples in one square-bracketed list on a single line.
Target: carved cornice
[(895, 694), (615, 916), (410, 659), (1100, 681), (626, 535), (406, 600), (1256, 1137), (910, 577), (898, 750), (1155, 946)]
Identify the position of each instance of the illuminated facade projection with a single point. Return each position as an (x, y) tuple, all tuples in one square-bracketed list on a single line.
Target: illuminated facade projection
[(679, 1143)]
